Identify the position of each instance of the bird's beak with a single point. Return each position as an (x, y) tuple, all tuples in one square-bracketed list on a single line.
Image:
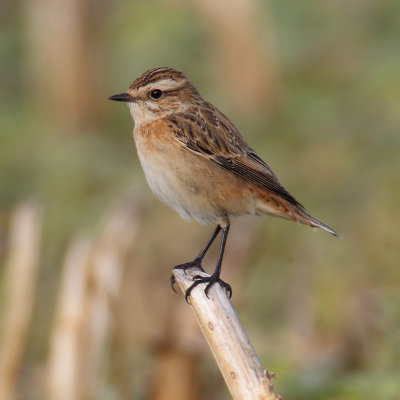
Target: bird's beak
[(123, 97)]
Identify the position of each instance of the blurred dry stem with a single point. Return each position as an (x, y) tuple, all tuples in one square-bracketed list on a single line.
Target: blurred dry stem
[(22, 271), (65, 366), (106, 270), (92, 274), (228, 341)]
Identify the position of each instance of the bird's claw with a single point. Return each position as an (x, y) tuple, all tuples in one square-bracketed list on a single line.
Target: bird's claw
[(185, 267), (210, 280)]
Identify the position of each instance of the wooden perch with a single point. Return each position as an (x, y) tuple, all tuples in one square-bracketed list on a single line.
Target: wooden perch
[(228, 341)]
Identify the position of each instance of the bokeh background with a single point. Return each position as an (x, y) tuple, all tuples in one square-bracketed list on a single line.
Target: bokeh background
[(86, 250)]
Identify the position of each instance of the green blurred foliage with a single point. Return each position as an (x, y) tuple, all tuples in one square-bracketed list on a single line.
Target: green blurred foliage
[(333, 140)]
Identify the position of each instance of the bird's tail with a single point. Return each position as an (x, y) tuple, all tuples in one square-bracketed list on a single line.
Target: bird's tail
[(276, 206), (315, 223)]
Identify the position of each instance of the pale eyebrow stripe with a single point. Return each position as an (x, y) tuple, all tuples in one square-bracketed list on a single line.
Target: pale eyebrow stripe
[(165, 84)]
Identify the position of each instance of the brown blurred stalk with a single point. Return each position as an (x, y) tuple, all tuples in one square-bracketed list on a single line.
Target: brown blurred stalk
[(176, 375), (20, 285), (245, 55), (61, 60)]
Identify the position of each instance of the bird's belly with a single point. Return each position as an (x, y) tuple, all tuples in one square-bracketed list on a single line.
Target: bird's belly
[(193, 187), (183, 196)]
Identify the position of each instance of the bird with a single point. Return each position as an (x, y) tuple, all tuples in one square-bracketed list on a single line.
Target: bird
[(197, 163)]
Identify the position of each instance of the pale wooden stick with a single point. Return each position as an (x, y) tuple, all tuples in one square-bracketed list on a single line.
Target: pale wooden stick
[(228, 341), (20, 285)]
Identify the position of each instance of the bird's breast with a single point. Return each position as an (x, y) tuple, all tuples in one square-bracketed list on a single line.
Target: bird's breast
[(190, 184), (166, 169)]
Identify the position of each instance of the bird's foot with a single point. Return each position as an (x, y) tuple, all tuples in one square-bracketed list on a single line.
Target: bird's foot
[(193, 264), (209, 280)]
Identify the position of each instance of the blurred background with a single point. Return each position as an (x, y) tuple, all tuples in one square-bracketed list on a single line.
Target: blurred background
[(86, 311)]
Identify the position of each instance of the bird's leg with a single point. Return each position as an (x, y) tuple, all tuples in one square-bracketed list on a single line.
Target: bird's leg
[(214, 278), (197, 261)]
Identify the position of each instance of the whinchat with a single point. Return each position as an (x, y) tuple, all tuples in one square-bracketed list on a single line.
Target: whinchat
[(197, 162)]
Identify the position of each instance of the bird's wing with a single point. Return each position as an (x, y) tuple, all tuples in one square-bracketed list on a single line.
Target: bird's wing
[(207, 132)]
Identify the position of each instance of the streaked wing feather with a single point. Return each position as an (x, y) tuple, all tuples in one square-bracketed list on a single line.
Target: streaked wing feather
[(254, 157), (206, 131), (241, 167)]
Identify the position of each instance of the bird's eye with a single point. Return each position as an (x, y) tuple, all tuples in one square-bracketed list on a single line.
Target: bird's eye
[(156, 94)]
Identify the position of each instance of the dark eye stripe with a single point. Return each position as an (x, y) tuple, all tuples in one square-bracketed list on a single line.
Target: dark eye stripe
[(171, 92)]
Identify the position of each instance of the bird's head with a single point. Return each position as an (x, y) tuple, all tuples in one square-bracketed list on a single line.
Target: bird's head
[(157, 93)]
